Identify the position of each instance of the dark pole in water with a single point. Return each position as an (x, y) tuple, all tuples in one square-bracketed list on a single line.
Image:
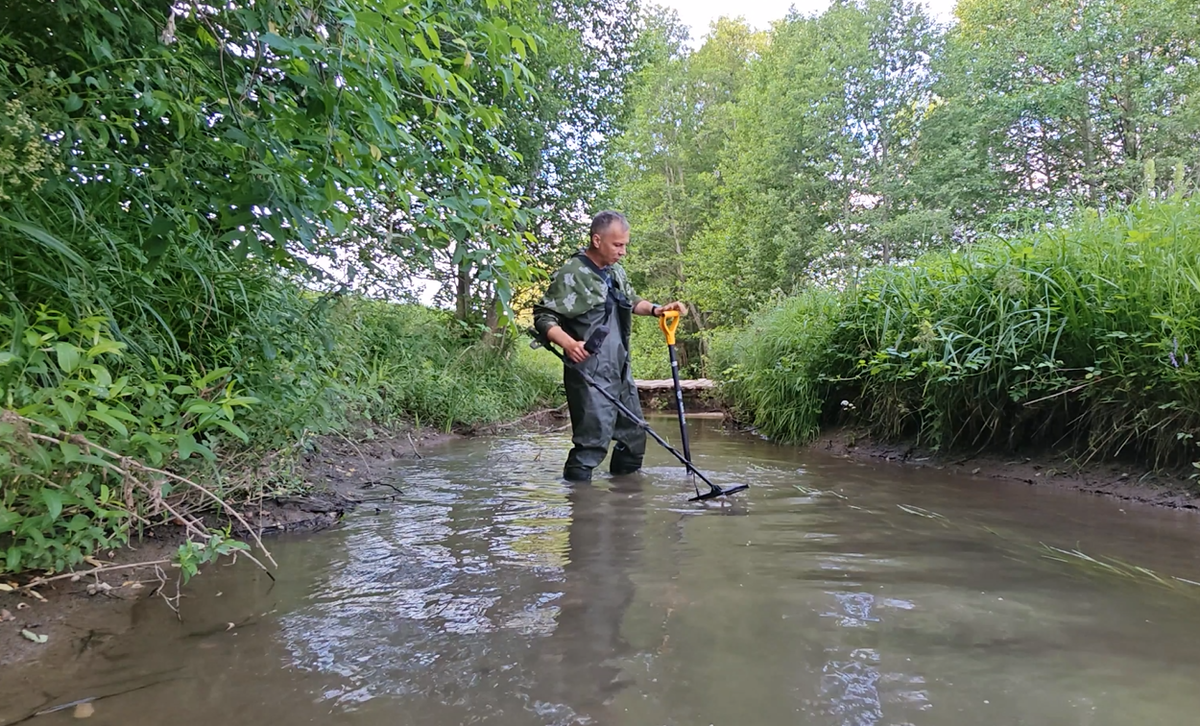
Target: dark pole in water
[(670, 331), (668, 322)]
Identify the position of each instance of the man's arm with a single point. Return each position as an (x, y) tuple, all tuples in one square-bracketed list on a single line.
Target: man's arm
[(645, 307), (547, 323), (573, 348)]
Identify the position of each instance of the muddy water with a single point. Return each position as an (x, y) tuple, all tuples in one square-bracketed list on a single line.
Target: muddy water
[(829, 593)]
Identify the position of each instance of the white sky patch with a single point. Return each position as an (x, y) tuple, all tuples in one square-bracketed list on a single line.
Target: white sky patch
[(698, 14)]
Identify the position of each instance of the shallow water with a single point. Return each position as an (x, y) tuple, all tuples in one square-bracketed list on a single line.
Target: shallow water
[(829, 593)]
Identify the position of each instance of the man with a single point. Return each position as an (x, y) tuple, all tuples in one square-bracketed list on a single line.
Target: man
[(588, 291)]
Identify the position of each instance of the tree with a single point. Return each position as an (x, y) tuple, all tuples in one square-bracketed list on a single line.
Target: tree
[(666, 163), (284, 132), (1043, 105), (815, 179), (554, 138)]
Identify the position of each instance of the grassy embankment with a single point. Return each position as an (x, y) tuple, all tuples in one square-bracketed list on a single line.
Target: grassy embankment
[(1081, 339), (127, 387)]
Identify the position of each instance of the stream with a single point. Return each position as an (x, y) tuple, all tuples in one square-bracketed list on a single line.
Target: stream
[(832, 592)]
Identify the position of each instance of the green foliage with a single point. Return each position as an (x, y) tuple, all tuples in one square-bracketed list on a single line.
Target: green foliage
[(192, 554), (760, 160), (281, 131), (774, 370), (864, 135), (67, 387), (85, 419), (665, 167), (411, 363), (1083, 336), (553, 141), (175, 181), (649, 350), (1044, 104)]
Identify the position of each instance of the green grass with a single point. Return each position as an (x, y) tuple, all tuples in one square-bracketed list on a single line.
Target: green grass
[(116, 374), (411, 364), (1084, 337)]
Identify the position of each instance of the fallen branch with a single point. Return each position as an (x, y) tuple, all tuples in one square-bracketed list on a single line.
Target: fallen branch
[(361, 455), (393, 487), (89, 699), (526, 417), (39, 581), (172, 602), (543, 412)]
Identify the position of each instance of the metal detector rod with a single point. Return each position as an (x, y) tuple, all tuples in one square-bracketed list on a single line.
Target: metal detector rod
[(679, 402), (630, 415), (675, 378), (683, 434), (668, 322)]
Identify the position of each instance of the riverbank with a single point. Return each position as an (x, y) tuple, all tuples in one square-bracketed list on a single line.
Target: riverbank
[(84, 611), (1081, 337), (78, 614), (341, 473), (1124, 481), (384, 614)]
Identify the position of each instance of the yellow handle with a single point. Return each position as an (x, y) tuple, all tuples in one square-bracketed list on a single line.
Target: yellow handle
[(668, 328)]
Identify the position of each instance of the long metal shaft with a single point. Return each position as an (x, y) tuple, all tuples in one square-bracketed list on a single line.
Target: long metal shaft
[(679, 402), (687, 451)]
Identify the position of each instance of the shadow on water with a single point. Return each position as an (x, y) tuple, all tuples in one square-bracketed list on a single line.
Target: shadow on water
[(497, 594)]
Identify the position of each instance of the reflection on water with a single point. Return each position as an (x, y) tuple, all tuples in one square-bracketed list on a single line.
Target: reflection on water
[(508, 605), (496, 593)]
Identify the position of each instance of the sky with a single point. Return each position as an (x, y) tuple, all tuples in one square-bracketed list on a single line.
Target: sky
[(759, 13)]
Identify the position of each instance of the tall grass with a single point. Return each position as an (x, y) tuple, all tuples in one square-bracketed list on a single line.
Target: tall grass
[(412, 363), (774, 370), (1084, 337), (197, 364)]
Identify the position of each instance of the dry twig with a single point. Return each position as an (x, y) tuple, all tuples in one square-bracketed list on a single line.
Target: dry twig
[(39, 581)]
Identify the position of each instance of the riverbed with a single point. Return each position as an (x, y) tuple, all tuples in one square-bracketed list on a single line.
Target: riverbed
[(832, 592)]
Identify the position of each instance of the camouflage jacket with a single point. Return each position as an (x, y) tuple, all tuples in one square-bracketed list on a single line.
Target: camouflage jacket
[(576, 290)]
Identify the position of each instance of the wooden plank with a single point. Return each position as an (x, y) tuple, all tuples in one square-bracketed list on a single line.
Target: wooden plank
[(692, 384)]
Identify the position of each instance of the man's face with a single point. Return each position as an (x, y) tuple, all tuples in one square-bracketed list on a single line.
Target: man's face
[(611, 244)]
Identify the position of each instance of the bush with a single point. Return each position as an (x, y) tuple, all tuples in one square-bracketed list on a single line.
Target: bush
[(772, 370), (1084, 336)]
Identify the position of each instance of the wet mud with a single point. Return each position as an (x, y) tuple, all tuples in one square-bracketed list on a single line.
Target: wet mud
[(1127, 482)]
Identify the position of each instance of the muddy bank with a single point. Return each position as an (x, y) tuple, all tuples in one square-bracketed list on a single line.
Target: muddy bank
[(1122, 481), (78, 613), (339, 474)]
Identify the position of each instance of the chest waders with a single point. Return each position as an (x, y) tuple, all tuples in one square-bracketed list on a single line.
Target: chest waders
[(594, 422)]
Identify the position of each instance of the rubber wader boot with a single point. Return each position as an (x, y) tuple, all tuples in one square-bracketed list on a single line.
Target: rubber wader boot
[(624, 461), (580, 474)]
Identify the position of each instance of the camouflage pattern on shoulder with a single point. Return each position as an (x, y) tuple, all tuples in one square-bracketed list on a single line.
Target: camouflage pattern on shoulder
[(574, 289)]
